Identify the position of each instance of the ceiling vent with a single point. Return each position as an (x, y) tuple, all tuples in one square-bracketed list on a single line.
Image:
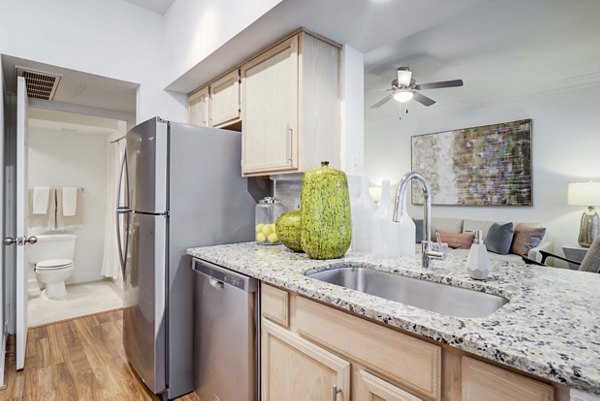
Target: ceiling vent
[(40, 85)]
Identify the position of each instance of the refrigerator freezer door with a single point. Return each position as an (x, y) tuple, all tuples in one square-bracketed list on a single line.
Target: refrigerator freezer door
[(144, 331), (147, 150)]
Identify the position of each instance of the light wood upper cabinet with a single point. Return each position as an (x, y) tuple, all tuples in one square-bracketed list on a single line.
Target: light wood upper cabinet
[(198, 107), (225, 100), (270, 117), (323, 343), (294, 369), (290, 107)]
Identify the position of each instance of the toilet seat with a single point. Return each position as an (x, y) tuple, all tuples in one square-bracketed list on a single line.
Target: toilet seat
[(54, 264)]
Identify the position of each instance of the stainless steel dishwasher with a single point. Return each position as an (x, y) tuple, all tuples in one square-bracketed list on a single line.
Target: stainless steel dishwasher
[(225, 334)]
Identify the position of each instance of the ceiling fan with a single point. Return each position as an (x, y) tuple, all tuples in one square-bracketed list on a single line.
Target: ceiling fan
[(404, 88)]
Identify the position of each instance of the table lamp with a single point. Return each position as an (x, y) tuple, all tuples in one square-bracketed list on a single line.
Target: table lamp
[(586, 194)]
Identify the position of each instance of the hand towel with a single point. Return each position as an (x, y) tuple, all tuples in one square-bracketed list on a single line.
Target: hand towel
[(69, 222), (69, 201), (41, 195), (46, 221)]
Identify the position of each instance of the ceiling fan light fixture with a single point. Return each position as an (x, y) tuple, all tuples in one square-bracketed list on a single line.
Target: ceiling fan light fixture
[(403, 96)]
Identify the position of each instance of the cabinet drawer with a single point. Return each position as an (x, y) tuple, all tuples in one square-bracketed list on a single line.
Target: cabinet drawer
[(371, 387), (275, 304), (413, 363), (481, 381)]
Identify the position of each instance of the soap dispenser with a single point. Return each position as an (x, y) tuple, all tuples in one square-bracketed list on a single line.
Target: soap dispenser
[(478, 262)]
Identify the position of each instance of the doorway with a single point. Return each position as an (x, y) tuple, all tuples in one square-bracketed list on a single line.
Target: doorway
[(74, 118), (77, 155)]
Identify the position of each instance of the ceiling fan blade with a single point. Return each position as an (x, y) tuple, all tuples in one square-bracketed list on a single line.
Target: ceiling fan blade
[(441, 84), (382, 101), (424, 100)]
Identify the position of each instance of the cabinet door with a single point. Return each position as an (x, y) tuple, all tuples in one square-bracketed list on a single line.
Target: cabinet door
[(198, 107), (293, 369), (225, 100), (481, 381), (270, 110), (371, 388)]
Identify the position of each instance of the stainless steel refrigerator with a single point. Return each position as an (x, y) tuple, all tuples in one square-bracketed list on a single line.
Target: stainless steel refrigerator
[(180, 187)]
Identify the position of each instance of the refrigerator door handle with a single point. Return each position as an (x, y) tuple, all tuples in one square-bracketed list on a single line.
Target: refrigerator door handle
[(125, 209)]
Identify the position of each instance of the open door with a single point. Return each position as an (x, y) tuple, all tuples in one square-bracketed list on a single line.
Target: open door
[(21, 239)]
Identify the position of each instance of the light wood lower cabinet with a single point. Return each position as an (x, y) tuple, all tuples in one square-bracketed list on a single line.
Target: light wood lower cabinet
[(482, 381), (294, 369), (320, 346)]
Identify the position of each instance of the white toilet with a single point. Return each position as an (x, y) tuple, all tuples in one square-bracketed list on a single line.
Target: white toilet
[(52, 257)]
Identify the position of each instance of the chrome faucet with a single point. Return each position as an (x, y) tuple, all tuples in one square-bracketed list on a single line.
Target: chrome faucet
[(429, 253)]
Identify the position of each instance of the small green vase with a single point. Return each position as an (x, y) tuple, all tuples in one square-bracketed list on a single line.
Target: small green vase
[(288, 229), (326, 227)]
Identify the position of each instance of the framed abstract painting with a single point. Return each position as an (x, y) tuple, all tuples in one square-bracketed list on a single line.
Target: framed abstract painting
[(480, 166)]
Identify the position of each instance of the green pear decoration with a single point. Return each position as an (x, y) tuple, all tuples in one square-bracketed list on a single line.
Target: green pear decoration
[(288, 229), (326, 227)]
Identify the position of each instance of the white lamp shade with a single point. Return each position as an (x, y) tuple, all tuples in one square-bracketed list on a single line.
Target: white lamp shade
[(403, 96), (584, 194)]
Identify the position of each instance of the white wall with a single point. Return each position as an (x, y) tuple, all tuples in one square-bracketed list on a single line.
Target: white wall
[(111, 38), (565, 148), (352, 111), (59, 159), (194, 29), (537, 59)]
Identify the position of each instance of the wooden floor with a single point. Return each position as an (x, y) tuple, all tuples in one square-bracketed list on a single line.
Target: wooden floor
[(81, 360)]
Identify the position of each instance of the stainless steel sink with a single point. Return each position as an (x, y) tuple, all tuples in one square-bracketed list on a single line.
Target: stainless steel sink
[(436, 297)]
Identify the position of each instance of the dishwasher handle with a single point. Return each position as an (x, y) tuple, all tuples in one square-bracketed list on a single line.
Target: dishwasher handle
[(219, 276)]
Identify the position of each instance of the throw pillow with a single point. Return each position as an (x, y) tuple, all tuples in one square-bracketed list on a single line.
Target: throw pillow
[(499, 238), (527, 238), (457, 240)]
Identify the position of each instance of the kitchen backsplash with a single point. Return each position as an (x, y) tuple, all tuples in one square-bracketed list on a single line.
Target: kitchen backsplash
[(288, 190)]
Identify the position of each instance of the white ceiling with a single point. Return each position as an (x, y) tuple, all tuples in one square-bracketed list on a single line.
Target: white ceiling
[(502, 49), (158, 6), (362, 24), (79, 88)]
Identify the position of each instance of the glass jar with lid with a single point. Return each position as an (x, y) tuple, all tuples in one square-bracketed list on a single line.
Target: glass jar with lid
[(267, 212)]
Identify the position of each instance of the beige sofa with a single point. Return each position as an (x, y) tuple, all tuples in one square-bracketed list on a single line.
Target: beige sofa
[(460, 225)]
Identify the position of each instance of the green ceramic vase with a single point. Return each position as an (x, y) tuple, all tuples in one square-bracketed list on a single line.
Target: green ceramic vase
[(326, 227), (288, 229)]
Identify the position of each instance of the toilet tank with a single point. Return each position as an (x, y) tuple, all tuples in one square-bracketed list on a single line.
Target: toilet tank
[(52, 246)]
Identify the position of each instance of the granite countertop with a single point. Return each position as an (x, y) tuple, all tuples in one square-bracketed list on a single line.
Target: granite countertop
[(550, 327)]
